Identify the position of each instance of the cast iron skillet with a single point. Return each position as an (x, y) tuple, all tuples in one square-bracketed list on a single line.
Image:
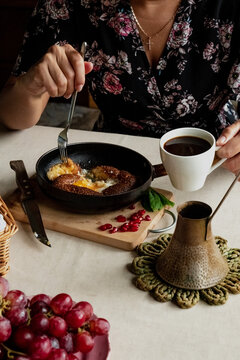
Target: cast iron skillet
[(89, 155)]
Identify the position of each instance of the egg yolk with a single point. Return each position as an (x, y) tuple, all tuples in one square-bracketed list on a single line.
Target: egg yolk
[(96, 186)]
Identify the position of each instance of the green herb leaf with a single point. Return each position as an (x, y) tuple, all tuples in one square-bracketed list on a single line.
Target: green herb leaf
[(165, 201), (154, 201), (145, 202)]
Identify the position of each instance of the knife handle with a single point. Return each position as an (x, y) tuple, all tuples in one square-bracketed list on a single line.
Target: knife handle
[(22, 179)]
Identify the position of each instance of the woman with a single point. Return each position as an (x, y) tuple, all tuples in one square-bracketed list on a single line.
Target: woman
[(152, 65)]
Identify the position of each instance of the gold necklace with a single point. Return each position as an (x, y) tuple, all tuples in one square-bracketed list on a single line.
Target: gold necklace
[(148, 42)]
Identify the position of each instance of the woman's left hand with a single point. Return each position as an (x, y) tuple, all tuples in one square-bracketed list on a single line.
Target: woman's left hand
[(229, 141)]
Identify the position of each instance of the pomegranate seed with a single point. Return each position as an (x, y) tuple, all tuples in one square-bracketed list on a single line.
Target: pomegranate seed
[(121, 218), (134, 216), (133, 222), (105, 227), (123, 228), (135, 225), (113, 230), (141, 212), (147, 218), (102, 227), (133, 228), (132, 206)]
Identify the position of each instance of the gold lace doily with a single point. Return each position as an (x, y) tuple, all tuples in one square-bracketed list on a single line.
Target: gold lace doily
[(147, 278)]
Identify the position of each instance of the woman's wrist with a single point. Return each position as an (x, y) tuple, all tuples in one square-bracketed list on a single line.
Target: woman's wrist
[(24, 86)]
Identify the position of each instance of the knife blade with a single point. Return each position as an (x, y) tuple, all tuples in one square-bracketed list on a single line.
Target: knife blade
[(28, 202)]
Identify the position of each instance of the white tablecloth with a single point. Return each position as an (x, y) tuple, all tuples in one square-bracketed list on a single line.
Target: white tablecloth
[(141, 327)]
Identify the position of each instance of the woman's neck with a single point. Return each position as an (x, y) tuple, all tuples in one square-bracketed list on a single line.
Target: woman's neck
[(154, 8), (154, 19)]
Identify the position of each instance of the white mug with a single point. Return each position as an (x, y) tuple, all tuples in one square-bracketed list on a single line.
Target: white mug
[(188, 173)]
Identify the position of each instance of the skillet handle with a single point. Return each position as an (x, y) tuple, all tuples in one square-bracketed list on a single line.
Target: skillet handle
[(158, 171)]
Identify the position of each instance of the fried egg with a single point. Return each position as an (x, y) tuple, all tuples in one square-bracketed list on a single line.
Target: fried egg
[(63, 168), (98, 186), (86, 178)]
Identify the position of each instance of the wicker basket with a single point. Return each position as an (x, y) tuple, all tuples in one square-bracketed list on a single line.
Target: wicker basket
[(5, 237)]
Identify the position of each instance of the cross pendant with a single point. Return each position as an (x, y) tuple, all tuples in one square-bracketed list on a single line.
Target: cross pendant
[(149, 43)]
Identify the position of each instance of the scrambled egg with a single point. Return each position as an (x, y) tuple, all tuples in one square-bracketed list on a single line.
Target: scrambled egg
[(63, 168)]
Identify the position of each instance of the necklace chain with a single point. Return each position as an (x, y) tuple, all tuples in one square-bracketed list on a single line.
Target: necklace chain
[(148, 42)]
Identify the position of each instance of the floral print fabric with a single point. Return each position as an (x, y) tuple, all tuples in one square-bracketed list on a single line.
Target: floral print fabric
[(195, 83)]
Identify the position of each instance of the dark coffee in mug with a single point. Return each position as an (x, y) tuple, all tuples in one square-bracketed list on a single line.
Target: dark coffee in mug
[(187, 145)]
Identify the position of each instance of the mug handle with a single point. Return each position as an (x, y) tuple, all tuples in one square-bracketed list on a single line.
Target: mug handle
[(217, 161)]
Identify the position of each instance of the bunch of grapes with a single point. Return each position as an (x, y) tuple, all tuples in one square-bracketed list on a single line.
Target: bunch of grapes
[(46, 328)]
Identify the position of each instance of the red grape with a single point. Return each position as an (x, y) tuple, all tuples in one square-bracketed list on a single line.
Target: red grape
[(61, 304), (47, 329), (40, 297), (75, 318), (58, 354), (86, 307), (99, 326), (66, 342), (71, 356), (39, 306), (4, 286), (57, 326), (39, 324), (84, 342), (40, 347), (16, 298), (5, 329), (54, 342), (23, 337), (17, 315)]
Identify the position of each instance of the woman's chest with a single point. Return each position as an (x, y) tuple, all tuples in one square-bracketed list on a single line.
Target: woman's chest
[(198, 45)]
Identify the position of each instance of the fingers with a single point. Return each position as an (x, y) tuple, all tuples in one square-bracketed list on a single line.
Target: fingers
[(56, 80), (59, 72), (229, 141), (232, 164), (228, 133), (72, 66), (88, 67)]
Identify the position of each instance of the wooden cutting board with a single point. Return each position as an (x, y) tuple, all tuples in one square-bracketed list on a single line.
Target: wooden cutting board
[(86, 226)]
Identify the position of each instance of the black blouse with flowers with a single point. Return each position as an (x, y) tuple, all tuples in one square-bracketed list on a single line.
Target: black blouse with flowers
[(197, 79)]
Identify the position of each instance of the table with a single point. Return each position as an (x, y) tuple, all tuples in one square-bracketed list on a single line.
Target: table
[(141, 328)]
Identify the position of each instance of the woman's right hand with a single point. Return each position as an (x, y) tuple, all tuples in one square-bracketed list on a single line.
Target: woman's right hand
[(58, 73)]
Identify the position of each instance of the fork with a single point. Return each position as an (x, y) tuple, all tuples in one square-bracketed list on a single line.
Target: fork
[(62, 137)]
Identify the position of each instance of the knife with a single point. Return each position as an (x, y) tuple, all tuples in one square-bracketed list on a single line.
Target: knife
[(28, 202)]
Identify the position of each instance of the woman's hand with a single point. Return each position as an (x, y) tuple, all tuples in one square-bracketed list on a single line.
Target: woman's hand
[(230, 142), (59, 72)]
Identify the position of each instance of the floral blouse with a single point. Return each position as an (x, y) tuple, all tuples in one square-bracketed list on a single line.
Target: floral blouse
[(195, 83)]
